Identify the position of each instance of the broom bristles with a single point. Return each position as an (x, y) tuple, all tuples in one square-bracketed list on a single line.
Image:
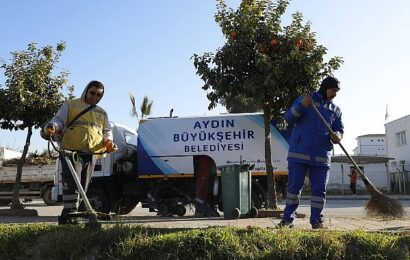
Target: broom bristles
[(381, 205)]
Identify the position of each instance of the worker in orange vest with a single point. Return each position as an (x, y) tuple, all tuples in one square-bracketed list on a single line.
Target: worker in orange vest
[(353, 179)]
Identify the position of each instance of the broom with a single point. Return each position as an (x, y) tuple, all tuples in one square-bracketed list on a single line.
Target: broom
[(378, 204)]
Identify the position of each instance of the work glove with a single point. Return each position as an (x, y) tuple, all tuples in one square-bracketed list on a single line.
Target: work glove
[(307, 100), (50, 129), (336, 137), (110, 146)]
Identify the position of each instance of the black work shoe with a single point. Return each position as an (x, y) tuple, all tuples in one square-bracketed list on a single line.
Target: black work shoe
[(284, 223), (318, 226)]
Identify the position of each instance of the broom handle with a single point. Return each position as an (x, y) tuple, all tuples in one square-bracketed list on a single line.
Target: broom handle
[(339, 143)]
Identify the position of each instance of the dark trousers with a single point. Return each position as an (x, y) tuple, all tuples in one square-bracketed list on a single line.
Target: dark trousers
[(353, 187), (84, 168), (318, 176)]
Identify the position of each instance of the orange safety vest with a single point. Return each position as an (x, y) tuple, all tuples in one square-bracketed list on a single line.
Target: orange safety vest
[(86, 133), (353, 177)]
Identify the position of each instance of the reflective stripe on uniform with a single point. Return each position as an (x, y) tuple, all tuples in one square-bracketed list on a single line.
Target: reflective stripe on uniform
[(317, 202), (316, 205), (299, 156), (322, 159), (307, 157), (294, 112), (317, 199), (292, 202), (292, 198)]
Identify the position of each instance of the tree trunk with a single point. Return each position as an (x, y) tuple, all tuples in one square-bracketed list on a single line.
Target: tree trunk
[(15, 204), (271, 202)]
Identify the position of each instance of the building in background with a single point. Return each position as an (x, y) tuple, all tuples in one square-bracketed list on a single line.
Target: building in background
[(397, 135), (385, 159), (371, 144), (371, 155), (374, 167), (6, 154)]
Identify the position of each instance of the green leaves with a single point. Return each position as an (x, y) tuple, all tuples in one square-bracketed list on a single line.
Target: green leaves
[(261, 60), (32, 93), (145, 107)]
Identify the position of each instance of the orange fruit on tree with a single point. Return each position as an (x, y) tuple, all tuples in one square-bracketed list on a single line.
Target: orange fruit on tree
[(234, 34), (299, 43), (274, 43), (261, 47)]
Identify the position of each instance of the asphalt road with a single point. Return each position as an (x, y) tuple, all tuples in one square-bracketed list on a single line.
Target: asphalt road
[(336, 207), (333, 208)]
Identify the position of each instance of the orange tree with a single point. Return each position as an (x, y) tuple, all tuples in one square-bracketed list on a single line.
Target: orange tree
[(265, 62), (31, 95)]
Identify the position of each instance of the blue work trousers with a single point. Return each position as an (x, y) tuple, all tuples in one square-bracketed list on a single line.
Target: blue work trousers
[(318, 176)]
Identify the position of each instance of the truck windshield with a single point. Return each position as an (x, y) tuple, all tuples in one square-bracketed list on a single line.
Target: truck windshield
[(130, 138)]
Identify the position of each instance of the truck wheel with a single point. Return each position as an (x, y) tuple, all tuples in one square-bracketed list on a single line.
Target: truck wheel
[(5, 202), (125, 206), (181, 210), (98, 200), (47, 197)]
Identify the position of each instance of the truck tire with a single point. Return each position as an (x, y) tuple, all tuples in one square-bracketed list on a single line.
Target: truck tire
[(125, 206), (98, 200), (47, 197), (180, 210), (5, 202)]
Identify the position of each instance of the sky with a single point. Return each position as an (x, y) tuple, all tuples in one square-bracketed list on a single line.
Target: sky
[(146, 47)]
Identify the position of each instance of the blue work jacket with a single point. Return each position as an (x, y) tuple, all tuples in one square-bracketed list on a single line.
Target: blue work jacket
[(310, 141)]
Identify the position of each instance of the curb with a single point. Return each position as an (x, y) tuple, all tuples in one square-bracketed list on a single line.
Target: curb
[(358, 197)]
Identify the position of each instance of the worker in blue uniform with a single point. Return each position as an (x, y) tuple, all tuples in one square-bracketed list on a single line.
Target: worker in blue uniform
[(310, 149)]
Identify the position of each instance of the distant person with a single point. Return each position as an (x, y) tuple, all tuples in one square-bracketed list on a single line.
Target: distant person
[(310, 149), (353, 180), (88, 134)]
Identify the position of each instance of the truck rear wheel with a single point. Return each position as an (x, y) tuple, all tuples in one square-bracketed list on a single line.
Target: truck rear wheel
[(47, 197), (98, 200), (125, 206), (180, 210)]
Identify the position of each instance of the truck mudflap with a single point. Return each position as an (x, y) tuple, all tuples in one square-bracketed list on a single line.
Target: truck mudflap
[(56, 194)]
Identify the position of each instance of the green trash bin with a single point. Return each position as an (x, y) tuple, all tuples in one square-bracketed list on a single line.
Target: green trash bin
[(236, 191)]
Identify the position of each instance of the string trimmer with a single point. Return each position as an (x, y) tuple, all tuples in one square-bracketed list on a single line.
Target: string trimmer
[(90, 214)]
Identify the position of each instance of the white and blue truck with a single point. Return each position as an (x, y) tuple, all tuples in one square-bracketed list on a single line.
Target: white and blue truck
[(173, 161)]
